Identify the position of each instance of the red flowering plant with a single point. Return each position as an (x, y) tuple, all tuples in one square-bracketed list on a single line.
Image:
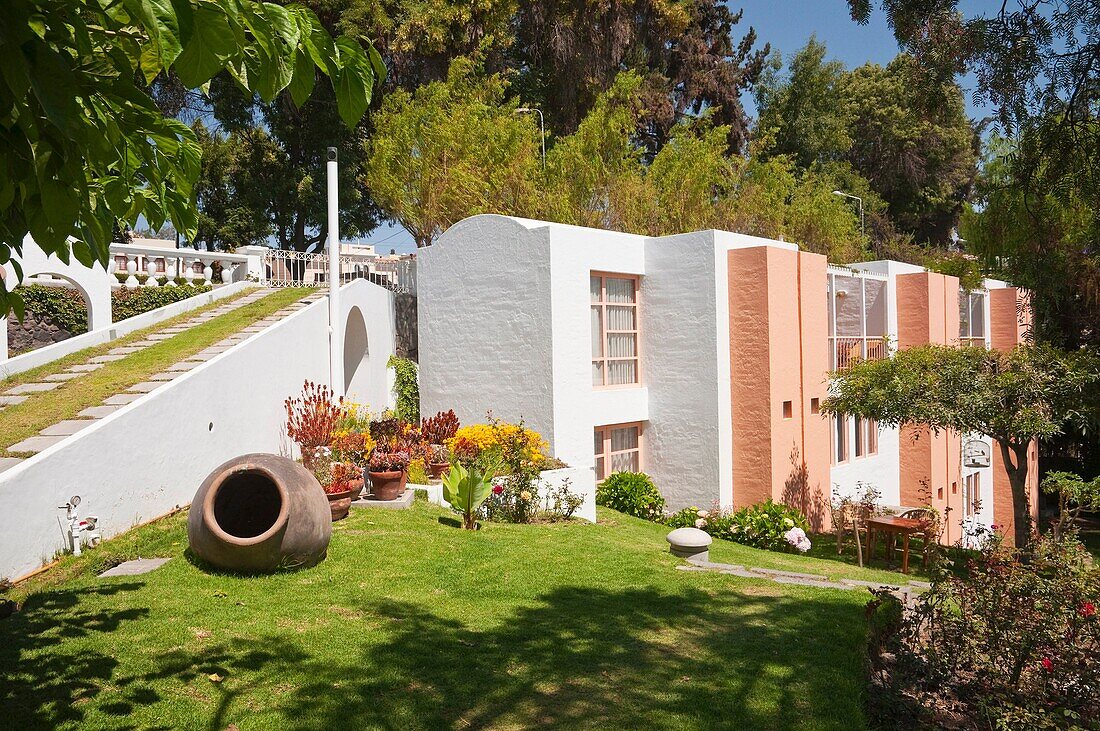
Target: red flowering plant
[(1012, 643), (381, 461), (343, 475), (439, 428), (311, 419)]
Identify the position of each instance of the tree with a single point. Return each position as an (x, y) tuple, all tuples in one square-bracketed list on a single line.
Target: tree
[(1027, 394), (1075, 496), (569, 52), (912, 142), (450, 150), (84, 145), (224, 221)]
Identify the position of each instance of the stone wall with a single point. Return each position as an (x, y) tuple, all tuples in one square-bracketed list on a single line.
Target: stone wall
[(405, 306), (36, 331)]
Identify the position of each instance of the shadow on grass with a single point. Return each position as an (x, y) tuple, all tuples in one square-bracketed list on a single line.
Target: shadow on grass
[(574, 657)]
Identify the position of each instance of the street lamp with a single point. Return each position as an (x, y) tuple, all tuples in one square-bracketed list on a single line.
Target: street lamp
[(841, 193), (542, 127)]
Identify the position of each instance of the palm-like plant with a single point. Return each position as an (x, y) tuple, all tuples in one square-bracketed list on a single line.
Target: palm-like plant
[(466, 489)]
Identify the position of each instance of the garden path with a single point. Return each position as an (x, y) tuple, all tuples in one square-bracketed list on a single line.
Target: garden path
[(67, 427)]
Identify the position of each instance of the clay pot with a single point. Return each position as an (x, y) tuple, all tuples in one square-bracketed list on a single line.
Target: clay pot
[(356, 486), (258, 513), (339, 503), (438, 469), (387, 485)]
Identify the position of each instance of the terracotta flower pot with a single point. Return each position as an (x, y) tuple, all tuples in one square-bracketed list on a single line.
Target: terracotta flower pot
[(387, 485), (339, 503), (259, 512), (438, 469), (356, 486)]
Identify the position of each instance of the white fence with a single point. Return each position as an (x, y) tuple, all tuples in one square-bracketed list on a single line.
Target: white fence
[(192, 265), (283, 268)]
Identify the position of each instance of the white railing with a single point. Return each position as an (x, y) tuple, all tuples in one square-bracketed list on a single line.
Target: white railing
[(192, 265), (284, 268), (845, 351)]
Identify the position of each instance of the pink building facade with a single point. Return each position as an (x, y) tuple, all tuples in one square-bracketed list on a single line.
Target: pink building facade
[(703, 359)]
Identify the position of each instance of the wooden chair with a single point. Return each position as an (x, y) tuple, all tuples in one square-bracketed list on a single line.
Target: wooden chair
[(851, 516)]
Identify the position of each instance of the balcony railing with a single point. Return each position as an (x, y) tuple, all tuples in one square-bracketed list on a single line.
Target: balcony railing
[(284, 268), (192, 265), (846, 351)]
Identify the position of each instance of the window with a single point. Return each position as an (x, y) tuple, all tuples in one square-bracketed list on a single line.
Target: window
[(815, 406), (614, 330), (856, 312), (972, 494), (840, 438), (788, 410), (618, 449), (866, 437), (972, 318)]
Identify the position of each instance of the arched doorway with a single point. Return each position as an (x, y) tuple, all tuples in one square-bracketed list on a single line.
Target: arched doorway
[(356, 356)]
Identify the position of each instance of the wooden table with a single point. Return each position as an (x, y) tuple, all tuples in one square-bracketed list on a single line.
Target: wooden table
[(892, 527)]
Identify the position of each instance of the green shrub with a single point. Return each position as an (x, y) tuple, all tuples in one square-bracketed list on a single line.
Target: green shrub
[(632, 493), (127, 303), (62, 305), (763, 525), (407, 389)]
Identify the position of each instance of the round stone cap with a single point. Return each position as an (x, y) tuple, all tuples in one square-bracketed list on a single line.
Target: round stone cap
[(689, 538)]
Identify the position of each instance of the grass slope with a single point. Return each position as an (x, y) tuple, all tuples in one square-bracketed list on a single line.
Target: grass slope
[(65, 402), (412, 623)]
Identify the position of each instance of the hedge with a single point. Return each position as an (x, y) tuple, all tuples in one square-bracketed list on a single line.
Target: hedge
[(66, 307)]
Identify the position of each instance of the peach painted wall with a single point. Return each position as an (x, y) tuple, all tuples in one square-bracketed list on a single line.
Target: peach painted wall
[(1008, 323), (928, 312), (778, 354)]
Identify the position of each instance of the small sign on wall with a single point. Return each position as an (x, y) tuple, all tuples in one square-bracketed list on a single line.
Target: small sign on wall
[(976, 453)]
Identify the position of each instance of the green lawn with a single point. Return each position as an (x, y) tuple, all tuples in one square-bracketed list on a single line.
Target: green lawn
[(413, 623), (65, 402)]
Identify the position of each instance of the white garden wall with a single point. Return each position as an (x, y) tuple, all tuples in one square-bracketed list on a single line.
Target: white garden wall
[(151, 455)]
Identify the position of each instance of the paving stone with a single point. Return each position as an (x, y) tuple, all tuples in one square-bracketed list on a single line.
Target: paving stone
[(98, 412), (120, 399), (106, 358), (34, 444), (125, 350), (66, 428), (161, 336), (164, 376), (181, 367), (62, 377), (811, 582), (788, 574), (134, 568), (12, 400), (144, 387), (84, 367), (6, 463), (145, 343), (32, 388), (871, 584), (920, 584), (176, 330)]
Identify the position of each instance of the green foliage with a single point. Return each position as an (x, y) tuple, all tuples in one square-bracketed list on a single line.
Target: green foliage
[(910, 141), (1032, 392), (763, 525), (1075, 495), (1013, 644), (84, 145), (632, 493), (130, 302), (466, 489), (64, 306), (450, 150), (407, 389)]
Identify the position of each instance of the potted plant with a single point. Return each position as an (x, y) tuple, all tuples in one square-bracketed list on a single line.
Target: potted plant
[(311, 419), (335, 479), (353, 449), (436, 430), (440, 462), (388, 472)]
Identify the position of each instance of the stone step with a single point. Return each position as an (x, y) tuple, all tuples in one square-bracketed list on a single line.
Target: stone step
[(106, 358), (6, 463), (12, 400), (121, 399), (31, 388), (125, 350), (62, 377), (98, 412), (35, 443), (145, 387), (84, 367), (66, 428)]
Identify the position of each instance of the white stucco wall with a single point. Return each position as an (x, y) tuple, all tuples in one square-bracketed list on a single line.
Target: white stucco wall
[(151, 455), (368, 379), (484, 323)]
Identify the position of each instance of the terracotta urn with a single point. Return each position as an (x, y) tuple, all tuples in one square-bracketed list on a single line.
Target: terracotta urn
[(356, 487), (339, 503), (438, 469), (387, 485), (259, 513)]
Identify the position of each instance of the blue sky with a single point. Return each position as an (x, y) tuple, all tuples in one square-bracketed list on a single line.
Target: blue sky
[(787, 25)]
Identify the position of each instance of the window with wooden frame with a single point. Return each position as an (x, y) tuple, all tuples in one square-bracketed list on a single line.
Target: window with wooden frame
[(614, 306), (618, 449), (866, 437), (972, 494), (840, 438)]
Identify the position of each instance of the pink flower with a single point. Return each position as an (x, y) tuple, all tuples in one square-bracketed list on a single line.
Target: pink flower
[(1087, 609), (994, 526), (1047, 665), (497, 489)]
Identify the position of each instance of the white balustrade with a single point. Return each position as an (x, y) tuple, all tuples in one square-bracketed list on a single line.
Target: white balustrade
[(151, 272), (177, 263), (131, 272), (170, 272)]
